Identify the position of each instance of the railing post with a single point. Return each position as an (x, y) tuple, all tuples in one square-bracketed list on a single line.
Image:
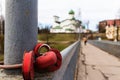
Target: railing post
[(20, 29)]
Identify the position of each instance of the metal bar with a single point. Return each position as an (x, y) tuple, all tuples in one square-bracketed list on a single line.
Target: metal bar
[(20, 29), (69, 59)]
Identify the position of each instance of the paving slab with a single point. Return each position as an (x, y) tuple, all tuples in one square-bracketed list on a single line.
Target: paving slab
[(93, 74), (99, 64)]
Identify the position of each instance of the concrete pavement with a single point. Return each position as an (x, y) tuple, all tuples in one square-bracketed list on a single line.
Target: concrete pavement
[(95, 64)]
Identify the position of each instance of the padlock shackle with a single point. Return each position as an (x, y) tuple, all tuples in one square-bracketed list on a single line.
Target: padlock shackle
[(39, 46), (44, 45)]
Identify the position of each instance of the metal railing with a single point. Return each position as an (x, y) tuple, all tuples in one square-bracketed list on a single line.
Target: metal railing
[(69, 55), (67, 69)]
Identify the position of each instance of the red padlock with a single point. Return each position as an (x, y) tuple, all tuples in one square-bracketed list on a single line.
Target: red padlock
[(47, 59), (28, 66), (39, 46), (57, 65)]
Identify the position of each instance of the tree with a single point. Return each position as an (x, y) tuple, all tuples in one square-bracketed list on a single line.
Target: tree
[(101, 26), (83, 27)]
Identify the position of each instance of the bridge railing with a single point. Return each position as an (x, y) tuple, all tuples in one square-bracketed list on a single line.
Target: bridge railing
[(67, 70), (69, 55)]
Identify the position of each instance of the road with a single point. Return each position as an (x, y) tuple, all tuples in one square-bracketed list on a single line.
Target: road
[(95, 64)]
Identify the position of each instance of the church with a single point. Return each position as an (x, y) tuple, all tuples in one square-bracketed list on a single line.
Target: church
[(69, 25)]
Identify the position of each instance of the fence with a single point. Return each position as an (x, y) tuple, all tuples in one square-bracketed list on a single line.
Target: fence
[(67, 70)]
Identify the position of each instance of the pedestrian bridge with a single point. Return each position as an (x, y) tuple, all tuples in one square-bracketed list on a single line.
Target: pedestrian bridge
[(80, 62), (21, 34)]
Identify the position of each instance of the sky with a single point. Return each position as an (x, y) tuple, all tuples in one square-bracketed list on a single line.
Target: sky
[(90, 10)]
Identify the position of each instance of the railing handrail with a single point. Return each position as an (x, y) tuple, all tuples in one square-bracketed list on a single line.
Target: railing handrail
[(67, 50), (68, 55)]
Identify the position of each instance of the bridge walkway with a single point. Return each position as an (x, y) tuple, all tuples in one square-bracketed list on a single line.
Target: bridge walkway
[(95, 64)]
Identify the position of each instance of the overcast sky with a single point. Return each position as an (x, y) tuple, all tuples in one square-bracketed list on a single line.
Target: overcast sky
[(92, 10)]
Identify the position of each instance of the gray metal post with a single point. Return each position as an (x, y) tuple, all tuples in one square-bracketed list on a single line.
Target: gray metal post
[(1, 21), (20, 29)]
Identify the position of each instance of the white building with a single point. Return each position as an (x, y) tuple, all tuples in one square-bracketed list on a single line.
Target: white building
[(70, 25)]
